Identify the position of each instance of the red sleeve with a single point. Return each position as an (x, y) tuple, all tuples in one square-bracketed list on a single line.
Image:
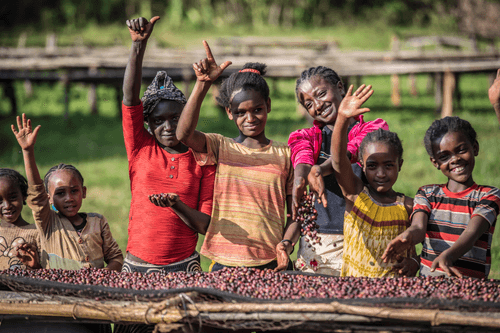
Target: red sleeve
[(301, 143), (207, 189), (358, 133), (134, 133)]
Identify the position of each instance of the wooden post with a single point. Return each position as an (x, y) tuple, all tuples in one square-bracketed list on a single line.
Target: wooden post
[(28, 88), (412, 78), (448, 89), (357, 81), (395, 94), (9, 92), (92, 98), (438, 93), (65, 83), (429, 87)]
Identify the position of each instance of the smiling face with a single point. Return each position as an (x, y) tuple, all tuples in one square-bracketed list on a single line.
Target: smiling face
[(454, 155), (321, 99), (66, 192), (11, 201), (249, 111), (163, 122), (381, 165)]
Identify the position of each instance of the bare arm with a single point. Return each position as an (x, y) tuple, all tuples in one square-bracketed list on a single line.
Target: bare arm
[(140, 30), (477, 226), (193, 218), (300, 181), (290, 238), (26, 137), (348, 182), (206, 72), (494, 95), (114, 265)]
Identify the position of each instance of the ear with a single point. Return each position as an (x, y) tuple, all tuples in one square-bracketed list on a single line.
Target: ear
[(24, 200), (475, 148), (84, 192), (228, 112), (400, 164), (268, 104), (341, 89), (434, 162)]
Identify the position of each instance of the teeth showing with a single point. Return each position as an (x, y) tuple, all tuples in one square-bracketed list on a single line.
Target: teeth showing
[(459, 169)]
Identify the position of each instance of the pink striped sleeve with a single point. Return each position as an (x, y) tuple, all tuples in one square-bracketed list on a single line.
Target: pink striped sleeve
[(359, 131), (301, 143)]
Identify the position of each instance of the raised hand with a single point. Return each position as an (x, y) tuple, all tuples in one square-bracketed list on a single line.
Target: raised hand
[(164, 199), (140, 29), (494, 91), (28, 255), (350, 105), (397, 246), (26, 137), (444, 262), (206, 70)]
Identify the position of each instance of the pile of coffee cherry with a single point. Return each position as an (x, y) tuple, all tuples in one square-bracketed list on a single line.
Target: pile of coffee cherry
[(307, 215), (267, 284)]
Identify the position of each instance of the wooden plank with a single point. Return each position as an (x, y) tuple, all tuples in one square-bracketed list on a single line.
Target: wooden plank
[(448, 89)]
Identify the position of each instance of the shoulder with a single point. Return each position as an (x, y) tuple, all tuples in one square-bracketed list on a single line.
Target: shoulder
[(301, 134), (95, 216), (408, 203), (432, 189)]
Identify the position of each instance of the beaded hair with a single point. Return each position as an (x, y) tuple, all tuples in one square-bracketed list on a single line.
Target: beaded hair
[(326, 73), (381, 135), (446, 125), (250, 77), (17, 178), (60, 166)]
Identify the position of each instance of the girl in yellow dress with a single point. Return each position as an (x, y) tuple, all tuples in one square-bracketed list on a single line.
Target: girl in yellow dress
[(374, 212)]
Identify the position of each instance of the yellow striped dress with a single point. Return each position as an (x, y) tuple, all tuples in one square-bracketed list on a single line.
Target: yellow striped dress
[(368, 229)]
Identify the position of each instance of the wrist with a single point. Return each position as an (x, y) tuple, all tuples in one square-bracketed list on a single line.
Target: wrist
[(289, 246)]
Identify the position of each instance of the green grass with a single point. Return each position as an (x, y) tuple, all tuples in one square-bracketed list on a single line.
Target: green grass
[(95, 143)]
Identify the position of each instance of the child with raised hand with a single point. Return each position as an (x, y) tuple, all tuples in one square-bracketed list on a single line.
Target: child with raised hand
[(19, 240), (455, 221), (375, 213), (254, 174), (320, 91), (70, 239), (163, 172)]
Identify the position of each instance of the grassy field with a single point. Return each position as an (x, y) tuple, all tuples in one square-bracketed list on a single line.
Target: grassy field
[(95, 143)]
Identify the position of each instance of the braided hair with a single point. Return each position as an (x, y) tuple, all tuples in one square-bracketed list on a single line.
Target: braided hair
[(250, 77), (58, 167), (326, 73), (17, 178), (440, 127), (381, 135)]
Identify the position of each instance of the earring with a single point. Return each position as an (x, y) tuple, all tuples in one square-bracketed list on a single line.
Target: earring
[(53, 207)]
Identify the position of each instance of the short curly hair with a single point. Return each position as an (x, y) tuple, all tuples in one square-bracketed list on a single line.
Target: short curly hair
[(381, 135), (440, 127), (17, 178)]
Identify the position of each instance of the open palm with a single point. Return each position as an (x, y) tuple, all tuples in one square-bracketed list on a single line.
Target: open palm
[(350, 105), (26, 137)]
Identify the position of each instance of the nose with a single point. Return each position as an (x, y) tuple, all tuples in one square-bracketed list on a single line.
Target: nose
[(318, 105), (168, 126), (250, 116), (5, 204), (380, 172)]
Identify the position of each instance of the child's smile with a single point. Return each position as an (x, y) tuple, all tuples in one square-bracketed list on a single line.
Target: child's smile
[(454, 155), (381, 166), (66, 193), (321, 99), (249, 111), (11, 201)]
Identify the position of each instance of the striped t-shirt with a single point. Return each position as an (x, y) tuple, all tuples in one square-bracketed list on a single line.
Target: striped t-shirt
[(449, 213), (250, 189)]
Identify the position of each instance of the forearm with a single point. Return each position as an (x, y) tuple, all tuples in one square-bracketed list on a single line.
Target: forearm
[(326, 167), (468, 238), (193, 218), (32, 174), (496, 107), (133, 74), (301, 172), (338, 147), (191, 113)]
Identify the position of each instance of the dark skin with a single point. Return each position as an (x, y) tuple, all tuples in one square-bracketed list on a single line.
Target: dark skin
[(26, 137), (380, 165), (249, 112), (454, 155), (28, 255), (494, 96), (162, 121)]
